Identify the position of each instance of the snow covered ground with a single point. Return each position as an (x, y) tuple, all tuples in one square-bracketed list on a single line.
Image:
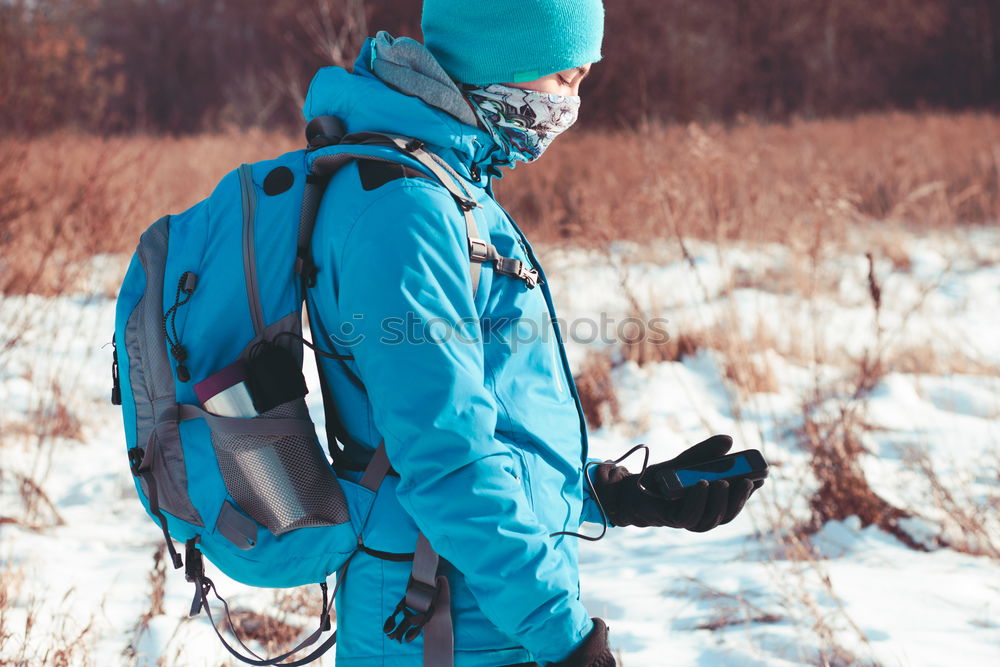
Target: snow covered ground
[(779, 340)]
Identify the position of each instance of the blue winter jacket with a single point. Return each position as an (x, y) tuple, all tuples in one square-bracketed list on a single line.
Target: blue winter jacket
[(473, 397)]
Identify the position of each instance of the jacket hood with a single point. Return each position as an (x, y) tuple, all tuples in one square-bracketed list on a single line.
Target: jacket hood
[(397, 86)]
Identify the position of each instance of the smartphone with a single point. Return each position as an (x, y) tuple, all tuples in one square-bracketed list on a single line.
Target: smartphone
[(749, 464)]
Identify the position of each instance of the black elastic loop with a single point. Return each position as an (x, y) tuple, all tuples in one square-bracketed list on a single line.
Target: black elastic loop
[(593, 493), (311, 346), (205, 585), (324, 617), (386, 555)]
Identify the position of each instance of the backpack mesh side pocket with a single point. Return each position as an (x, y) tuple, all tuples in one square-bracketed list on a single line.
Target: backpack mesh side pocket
[(284, 482)]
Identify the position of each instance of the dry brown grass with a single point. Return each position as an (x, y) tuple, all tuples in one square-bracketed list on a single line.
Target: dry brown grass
[(55, 639), (67, 196), (931, 359), (649, 350), (597, 392), (762, 182)]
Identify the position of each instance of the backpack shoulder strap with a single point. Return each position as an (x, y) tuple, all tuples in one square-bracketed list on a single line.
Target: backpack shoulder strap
[(426, 603), (325, 166), (480, 252)]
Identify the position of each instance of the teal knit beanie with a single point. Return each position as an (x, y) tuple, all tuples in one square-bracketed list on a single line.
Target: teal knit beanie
[(509, 41)]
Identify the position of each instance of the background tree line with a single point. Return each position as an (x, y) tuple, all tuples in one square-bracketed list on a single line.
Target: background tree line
[(182, 66)]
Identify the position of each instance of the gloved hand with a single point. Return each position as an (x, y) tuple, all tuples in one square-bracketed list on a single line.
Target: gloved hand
[(593, 652), (701, 508)]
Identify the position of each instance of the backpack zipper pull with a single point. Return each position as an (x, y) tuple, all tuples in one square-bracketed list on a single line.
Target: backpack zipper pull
[(116, 389), (186, 286)]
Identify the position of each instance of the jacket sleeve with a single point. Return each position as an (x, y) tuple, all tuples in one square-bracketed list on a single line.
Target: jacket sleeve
[(591, 512), (405, 271)]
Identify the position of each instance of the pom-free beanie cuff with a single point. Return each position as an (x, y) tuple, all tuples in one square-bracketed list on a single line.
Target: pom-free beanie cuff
[(509, 41)]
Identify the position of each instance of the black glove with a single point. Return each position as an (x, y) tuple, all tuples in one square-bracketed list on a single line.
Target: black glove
[(593, 652), (702, 507)]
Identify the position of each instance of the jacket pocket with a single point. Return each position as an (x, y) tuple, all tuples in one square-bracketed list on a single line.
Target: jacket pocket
[(519, 470), (281, 480)]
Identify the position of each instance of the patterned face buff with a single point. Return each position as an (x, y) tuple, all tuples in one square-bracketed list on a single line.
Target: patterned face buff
[(524, 122)]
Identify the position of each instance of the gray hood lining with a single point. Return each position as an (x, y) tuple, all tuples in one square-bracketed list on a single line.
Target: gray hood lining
[(407, 66)]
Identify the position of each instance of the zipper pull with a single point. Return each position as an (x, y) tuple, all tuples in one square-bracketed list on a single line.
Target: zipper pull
[(186, 286), (475, 173), (116, 389), (180, 355)]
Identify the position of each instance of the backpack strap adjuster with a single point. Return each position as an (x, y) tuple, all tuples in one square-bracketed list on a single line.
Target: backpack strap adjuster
[(306, 267), (414, 145), (416, 609), (426, 607), (479, 250), (135, 456)]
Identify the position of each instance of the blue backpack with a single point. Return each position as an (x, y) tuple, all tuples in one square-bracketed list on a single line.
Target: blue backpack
[(257, 496)]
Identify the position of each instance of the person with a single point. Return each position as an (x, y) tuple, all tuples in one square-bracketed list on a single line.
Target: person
[(469, 389)]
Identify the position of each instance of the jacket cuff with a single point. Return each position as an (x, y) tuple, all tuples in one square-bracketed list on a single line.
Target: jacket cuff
[(590, 511)]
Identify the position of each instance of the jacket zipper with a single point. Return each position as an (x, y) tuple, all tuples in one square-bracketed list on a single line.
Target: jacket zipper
[(249, 253), (555, 326)]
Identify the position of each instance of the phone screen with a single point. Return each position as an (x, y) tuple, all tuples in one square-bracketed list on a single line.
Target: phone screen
[(715, 470)]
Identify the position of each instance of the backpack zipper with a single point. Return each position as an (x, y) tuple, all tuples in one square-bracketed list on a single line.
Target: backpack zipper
[(249, 253)]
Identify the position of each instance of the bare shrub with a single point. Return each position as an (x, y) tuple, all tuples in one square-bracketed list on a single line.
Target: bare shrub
[(596, 389), (732, 609), (835, 446), (36, 510), (969, 524), (843, 488)]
